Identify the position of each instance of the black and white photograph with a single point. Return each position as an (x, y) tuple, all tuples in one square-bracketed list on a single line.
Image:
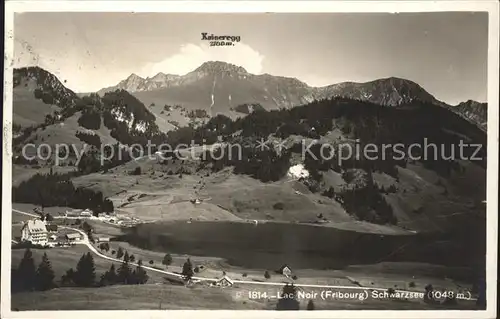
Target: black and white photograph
[(167, 159)]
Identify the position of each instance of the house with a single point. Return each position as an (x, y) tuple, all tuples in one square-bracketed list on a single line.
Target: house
[(86, 213), (73, 237), (72, 213), (53, 237), (285, 270), (35, 232), (103, 239), (224, 282), (51, 228)]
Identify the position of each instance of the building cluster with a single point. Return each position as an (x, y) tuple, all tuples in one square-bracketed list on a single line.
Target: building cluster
[(122, 220), (87, 213), (112, 218), (39, 232)]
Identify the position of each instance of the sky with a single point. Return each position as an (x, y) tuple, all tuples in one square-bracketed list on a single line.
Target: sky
[(444, 52)]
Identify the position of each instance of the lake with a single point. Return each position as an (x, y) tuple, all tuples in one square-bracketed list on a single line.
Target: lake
[(269, 245)]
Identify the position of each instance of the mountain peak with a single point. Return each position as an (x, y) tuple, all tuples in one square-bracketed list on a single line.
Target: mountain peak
[(472, 103), (159, 75), (474, 111), (35, 77), (162, 77), (132, 83), (391, 91), (134, 76), (219, 66), (397, 82)]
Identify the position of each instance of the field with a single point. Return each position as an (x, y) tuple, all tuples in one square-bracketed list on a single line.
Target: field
[(157, 297), (150, 297), (61, 258), (65, 133)]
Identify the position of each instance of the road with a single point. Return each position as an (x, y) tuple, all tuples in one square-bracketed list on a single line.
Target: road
[(87, 243)]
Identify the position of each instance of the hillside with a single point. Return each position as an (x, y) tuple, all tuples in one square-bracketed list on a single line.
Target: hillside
[(36, 94), (46, 112), (440, 197), (389, 92), (474, 111)]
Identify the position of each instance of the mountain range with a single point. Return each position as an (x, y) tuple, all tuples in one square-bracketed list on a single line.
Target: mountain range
[(219, 87)]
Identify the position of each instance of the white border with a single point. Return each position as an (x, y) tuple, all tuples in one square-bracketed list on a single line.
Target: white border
[(258, 6)]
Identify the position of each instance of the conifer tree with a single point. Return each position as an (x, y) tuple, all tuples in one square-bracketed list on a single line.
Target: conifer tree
[(310, 305), (112, 277), (45, 275), (109, 277), (68, 278), (141, 277), (289, 299), (187, 269), (85, 271), (124, 273), (119, 253), (25, 274)]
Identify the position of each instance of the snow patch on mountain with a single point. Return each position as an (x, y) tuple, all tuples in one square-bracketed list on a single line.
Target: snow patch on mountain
[(298, 171), (122, 117), (86, 131), (141, 127)]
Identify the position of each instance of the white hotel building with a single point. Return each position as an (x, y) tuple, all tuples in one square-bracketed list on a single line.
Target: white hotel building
[(35, 232)]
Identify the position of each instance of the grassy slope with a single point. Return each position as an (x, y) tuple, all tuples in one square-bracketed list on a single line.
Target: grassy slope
[(165, 119), (27, 109), (127, 297), (156, 297), (65, 133), (61, 259)]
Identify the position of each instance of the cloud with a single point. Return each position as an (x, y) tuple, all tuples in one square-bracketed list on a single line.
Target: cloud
[(83, 73), (191, 56)]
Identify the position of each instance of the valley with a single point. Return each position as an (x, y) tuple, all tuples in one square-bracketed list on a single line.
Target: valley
[(161, 291), (383, 223)]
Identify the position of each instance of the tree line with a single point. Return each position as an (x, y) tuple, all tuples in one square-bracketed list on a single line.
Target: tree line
[(90, 119), (90, 139), (266, 165), (56, 189), (27, 277), (125, 275)]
